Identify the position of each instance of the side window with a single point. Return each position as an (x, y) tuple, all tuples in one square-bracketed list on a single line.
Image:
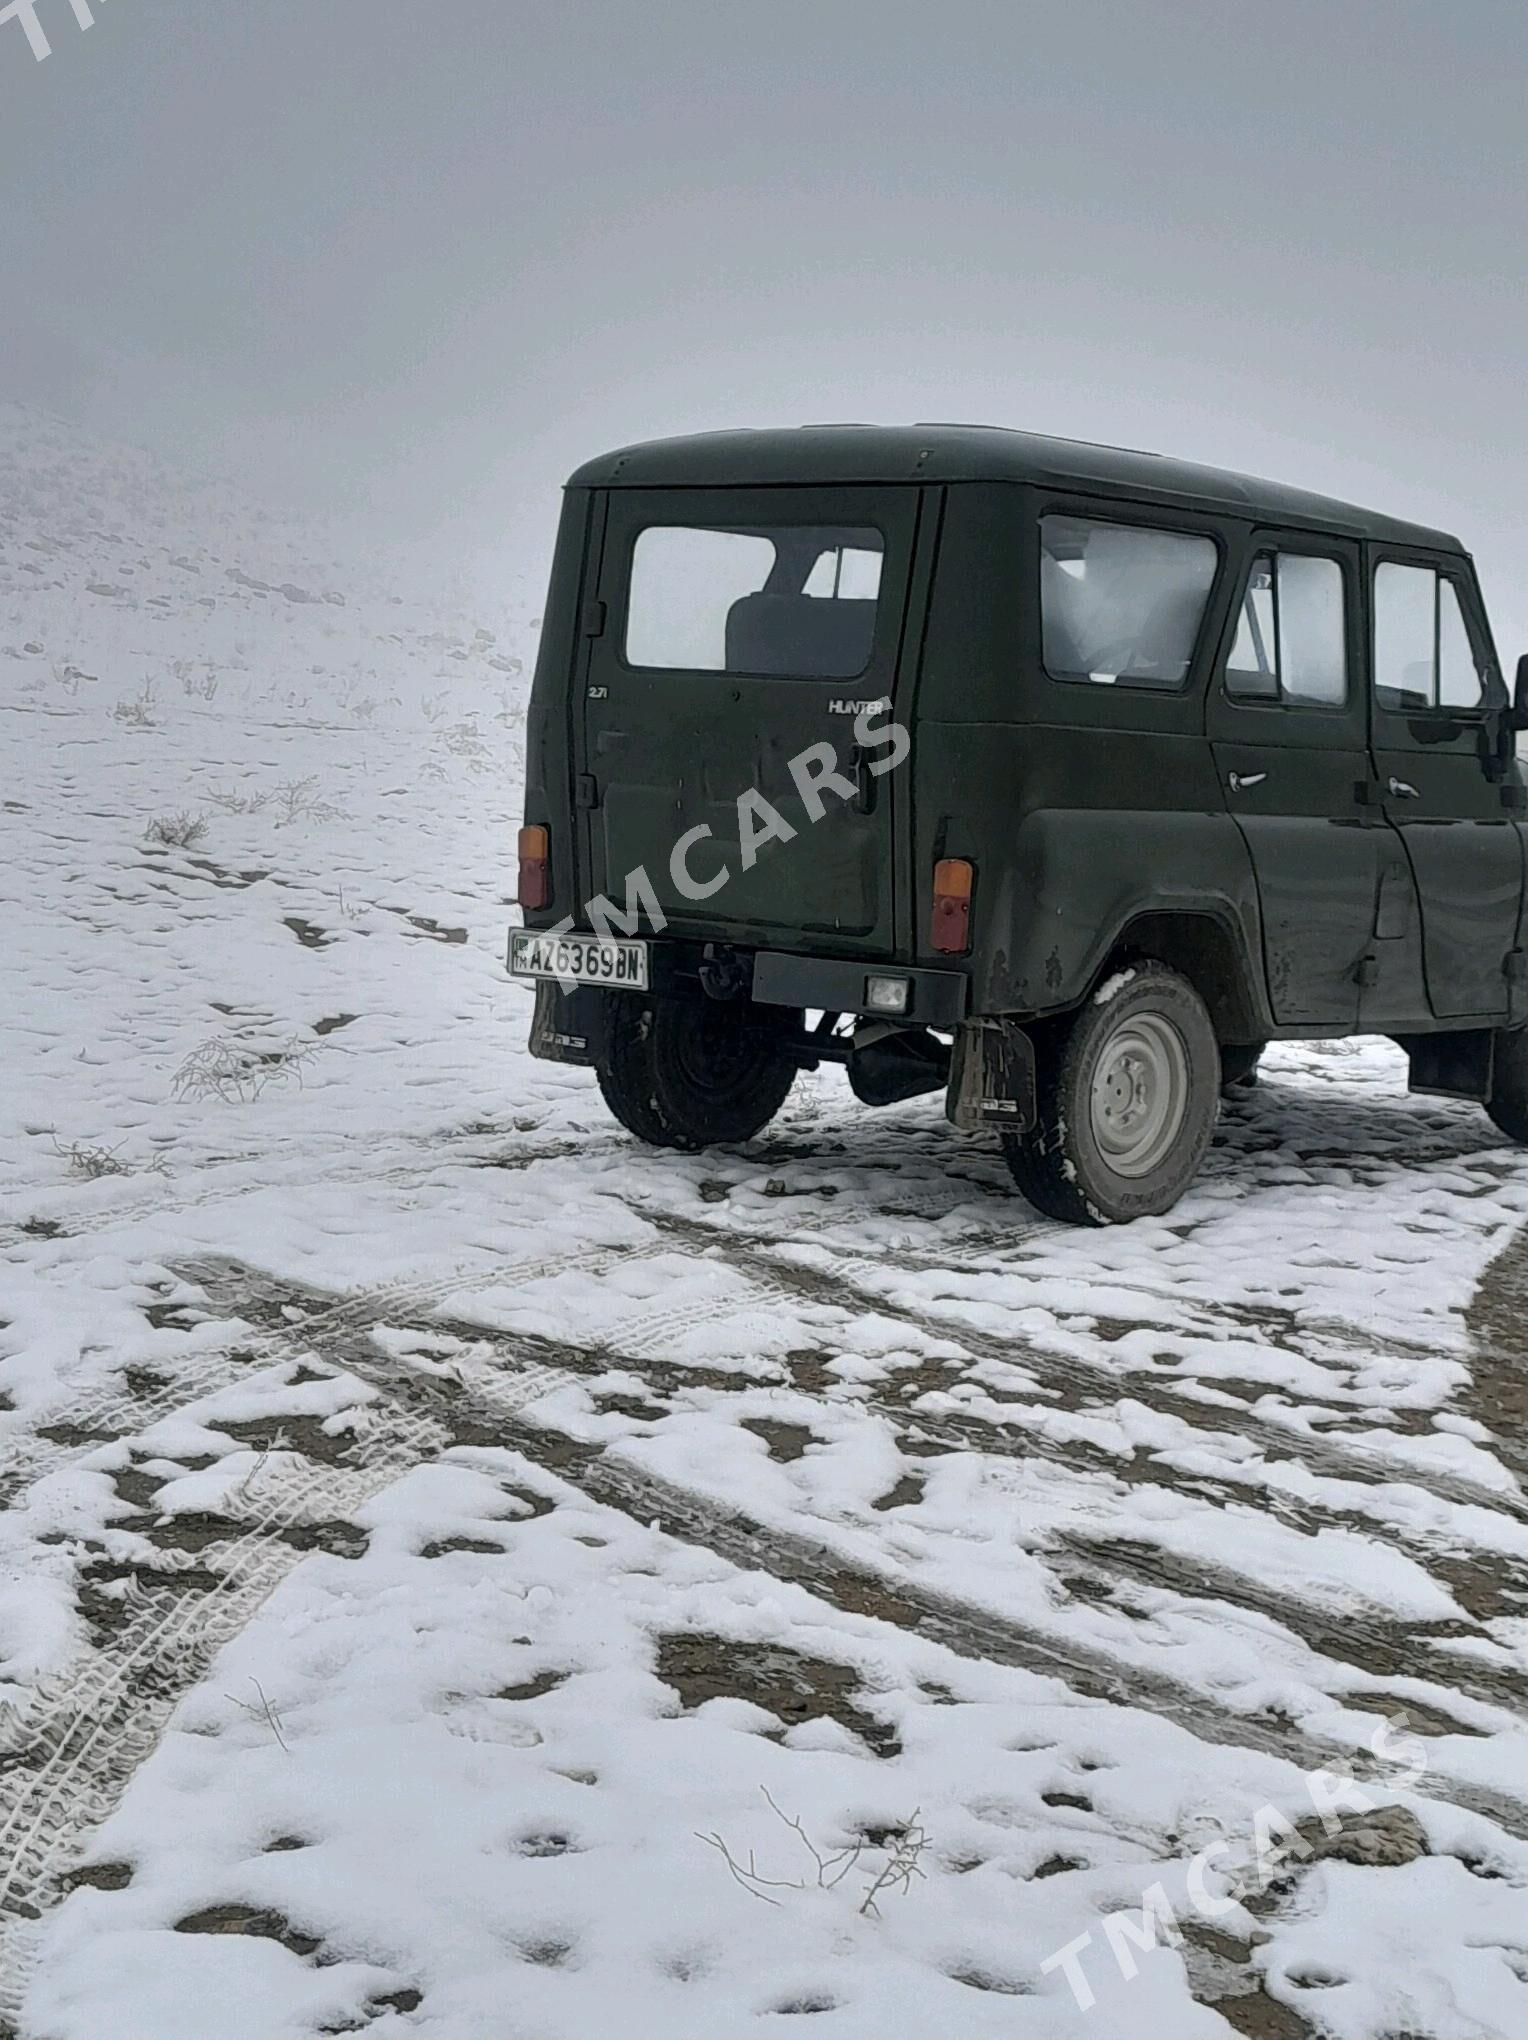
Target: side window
[(1121, 603), (1291, 637), (1459, 681), (1423, 657)]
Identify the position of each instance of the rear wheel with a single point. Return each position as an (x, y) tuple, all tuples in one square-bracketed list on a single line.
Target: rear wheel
[(1509, 1085), (689, 1074), (1126, 1099)]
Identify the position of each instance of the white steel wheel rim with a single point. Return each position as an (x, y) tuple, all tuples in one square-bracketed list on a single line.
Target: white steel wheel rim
[(1139, 1096)]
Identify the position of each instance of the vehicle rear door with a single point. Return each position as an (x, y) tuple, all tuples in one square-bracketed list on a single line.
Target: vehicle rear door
[(1437, 699), (1287, 722), (732, 631)]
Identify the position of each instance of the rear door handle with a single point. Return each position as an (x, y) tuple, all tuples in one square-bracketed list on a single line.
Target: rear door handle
[(1240, 781), (1402, 789)]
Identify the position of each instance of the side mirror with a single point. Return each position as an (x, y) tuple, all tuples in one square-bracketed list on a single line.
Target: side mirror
[(1518, 716)]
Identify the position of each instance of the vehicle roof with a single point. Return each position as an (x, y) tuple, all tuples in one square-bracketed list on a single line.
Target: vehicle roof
[(987, 453)]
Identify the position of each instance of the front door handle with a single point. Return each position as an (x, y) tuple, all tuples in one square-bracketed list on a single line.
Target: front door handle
[(1239, 781), (1402, 789)]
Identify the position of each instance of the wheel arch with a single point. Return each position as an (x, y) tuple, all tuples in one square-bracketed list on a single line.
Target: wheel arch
[(1211, 953)]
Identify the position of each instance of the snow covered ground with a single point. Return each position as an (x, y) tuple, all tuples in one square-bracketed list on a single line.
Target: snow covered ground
[(464, 1576)]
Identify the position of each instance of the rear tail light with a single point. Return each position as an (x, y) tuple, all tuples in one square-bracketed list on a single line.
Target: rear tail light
[(535, 888), (950, 929)]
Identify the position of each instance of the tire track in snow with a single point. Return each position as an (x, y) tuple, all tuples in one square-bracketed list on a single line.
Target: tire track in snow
[(69, 1753), (446, 1149), (848, 1281), (1491, 1577), (117, 1415), (1361, 1634), (496, 1402), (82, 1742)]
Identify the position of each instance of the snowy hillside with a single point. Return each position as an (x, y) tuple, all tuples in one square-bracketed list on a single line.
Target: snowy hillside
[(464, 1576), (122, 581)]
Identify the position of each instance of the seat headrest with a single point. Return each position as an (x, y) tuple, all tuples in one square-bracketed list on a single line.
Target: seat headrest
[(814, 637)]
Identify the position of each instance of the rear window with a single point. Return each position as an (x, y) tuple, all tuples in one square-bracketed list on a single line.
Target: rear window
[(795, 600), (1121, 603)]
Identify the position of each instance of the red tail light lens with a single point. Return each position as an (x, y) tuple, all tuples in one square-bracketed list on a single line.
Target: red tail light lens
[(950, 928), (535, 887)]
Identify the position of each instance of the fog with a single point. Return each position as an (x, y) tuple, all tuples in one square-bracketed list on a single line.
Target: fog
[(411, 263)]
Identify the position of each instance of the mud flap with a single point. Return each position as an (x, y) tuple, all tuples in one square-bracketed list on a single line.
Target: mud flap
[(565, 1025), (992, 1078), (1461, 1065), (887, 1065)]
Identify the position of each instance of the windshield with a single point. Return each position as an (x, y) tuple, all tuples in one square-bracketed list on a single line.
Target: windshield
[(796, 600)]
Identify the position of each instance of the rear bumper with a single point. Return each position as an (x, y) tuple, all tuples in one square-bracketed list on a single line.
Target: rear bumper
[(935, 998), (565, 1025)]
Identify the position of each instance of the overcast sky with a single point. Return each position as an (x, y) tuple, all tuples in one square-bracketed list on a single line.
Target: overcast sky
[(415, 259)]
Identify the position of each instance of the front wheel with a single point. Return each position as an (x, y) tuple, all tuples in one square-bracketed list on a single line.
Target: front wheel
[(1126, 1100), (688, 1074)]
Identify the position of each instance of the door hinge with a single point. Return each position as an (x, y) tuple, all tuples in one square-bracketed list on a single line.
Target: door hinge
[(1515, 966), (588, 792), (1367, 972), (1366, 792), (592, 622)]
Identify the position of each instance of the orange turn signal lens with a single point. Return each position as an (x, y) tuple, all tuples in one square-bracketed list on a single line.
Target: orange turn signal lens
[(953, 879), (950, 925), (535, 848)]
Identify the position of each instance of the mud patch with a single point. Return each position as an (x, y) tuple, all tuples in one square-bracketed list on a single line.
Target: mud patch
[(1416, 1717), (219, 874), (98, 1877), (993, 1980), (1497, 1395), (422, 924), (107, 1612), (305, 1435), (308, 933), (335, 1022), (544, 1842), (533, 1689), (786, 1683), (1222, 1977), (143, 1381), (245, 1919), (612, 1403), (905, 1495), (786, 1442), (197, 1531), (173, 1317), (1386, 1839), (74, 1437), (811, 1371), (545, 1954)]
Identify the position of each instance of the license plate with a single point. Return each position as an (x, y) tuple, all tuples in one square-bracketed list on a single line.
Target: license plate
[(579, 960)]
